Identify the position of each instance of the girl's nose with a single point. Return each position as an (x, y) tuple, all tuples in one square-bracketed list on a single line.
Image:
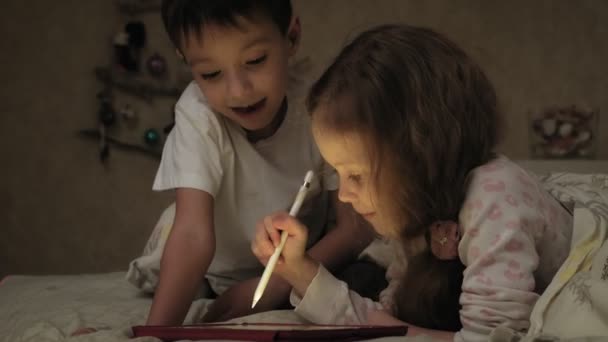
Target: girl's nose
[(345, 194)]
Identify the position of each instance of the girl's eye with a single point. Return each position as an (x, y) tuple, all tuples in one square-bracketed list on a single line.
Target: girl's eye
[(210, 75), (257, 61), (354, 178)]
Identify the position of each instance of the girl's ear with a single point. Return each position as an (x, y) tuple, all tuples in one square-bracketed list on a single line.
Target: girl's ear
[(293, 35)]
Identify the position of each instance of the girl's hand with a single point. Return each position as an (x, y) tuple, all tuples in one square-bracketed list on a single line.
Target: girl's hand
[(268, 237)]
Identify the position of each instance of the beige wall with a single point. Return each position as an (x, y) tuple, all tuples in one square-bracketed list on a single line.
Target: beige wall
[(61, 211), (537, 53)]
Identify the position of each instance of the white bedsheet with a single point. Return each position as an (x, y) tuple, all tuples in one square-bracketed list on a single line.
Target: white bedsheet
[(50, 308)]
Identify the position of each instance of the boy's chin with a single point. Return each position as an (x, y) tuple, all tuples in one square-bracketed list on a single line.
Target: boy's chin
[(262, 123), (256, 127), (259, 130)]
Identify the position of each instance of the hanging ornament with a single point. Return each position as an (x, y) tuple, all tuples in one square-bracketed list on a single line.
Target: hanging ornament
[(122, 53), (157, 65), (129, 116), (128, 113), (151, 137), (137, 34), (128, 45)]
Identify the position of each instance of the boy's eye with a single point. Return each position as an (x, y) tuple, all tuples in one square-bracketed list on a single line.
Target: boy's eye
[(210, 75), (257, 61)]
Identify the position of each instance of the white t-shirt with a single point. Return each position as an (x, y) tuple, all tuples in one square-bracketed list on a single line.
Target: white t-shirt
[(209, 152)]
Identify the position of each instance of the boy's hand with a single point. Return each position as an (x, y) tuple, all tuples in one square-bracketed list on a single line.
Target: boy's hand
[(236, 301), (381, 317), (268, 237)]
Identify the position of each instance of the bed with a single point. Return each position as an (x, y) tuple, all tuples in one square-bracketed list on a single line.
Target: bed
[(51, 308)]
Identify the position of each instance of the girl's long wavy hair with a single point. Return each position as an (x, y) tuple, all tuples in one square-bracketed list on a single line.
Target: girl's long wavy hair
[(428, 115)]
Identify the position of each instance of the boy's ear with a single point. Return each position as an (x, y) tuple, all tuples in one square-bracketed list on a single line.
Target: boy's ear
[(180, 55), (293, 35)]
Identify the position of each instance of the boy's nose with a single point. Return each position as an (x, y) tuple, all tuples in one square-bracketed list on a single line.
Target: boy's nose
[(238, 86)]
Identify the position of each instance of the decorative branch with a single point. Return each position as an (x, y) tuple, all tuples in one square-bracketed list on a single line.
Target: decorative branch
[(94, 134), (134, 7), (136, 87)]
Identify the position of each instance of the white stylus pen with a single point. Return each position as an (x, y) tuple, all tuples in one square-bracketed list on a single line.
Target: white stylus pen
[(259, 290)]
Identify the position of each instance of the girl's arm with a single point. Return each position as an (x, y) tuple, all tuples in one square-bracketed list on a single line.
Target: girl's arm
[(326, 300), (341, 245), (343, 242), (504, 221)]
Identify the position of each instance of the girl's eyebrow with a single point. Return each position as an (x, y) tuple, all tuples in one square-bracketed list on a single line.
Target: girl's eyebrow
[(345, 164)]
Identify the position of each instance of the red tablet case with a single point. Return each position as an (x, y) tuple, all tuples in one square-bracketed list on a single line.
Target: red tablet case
[(268, 332)]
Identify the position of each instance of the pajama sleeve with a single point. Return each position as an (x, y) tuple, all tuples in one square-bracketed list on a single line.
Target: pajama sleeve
[(329, 301), (500, 223)]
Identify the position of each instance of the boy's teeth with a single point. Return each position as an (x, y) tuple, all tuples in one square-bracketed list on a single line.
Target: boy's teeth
[(247, 109)]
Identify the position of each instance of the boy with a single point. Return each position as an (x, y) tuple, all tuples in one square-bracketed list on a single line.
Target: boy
[(239, 150)]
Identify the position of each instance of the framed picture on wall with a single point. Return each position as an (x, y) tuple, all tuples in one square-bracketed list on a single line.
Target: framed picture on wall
[(564, 132)]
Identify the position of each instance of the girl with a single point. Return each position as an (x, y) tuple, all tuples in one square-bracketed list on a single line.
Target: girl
[(410, 123)]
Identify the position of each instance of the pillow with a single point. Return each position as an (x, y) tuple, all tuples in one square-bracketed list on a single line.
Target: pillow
[(144, 271)]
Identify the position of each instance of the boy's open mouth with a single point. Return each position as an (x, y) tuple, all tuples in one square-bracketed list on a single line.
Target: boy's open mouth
[(249, 109)]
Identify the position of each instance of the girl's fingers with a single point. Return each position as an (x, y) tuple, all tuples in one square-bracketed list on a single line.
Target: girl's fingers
[(264, 260), (261, 245), (268, 237), (271, 230), (289, 224)]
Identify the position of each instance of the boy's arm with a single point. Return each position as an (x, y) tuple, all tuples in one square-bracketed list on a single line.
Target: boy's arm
[(343, 242), (380, 317), (186, 257)]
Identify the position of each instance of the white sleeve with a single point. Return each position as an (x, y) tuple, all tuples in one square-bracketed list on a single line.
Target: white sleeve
[(191, 156), (329, 301)]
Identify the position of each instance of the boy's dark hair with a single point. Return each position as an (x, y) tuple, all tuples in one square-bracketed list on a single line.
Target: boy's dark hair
[(182, 17), (429, 116)]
